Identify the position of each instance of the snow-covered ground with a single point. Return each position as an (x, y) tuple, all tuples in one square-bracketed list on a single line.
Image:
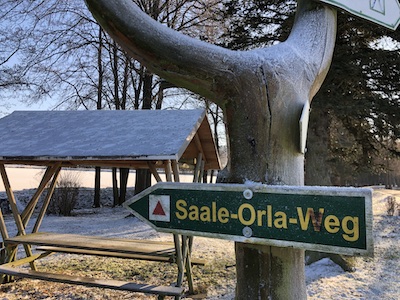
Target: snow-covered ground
[(374, 278), (29, 177)]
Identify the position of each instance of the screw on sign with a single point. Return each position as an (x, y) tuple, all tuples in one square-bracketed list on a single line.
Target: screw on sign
[(383, 12)]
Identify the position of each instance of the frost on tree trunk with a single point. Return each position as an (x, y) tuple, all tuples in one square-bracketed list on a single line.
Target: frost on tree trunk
[(262, 93)]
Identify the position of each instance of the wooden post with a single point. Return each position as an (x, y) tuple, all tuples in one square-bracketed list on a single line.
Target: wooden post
[(187, 241), (197, 169), (177, 240), (97, 178), (47, 200), (17, 216), (153, 171), (28, 211)]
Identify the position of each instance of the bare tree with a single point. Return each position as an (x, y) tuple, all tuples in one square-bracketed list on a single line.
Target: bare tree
[(262, 93), (53, 51), (54, 46)]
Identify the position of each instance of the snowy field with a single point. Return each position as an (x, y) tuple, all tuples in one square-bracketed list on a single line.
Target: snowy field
[(373, 278), (29, 177)]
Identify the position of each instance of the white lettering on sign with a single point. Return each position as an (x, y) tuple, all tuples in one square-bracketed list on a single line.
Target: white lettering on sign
[(160, 208)]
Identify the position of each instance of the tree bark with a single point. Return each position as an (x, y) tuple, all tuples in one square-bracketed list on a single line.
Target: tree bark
[(143, 176), (317, 168), (123, 178), (96, 202), (99, 104), (115, 187), (143, 180), (262, 93), (318, 172)]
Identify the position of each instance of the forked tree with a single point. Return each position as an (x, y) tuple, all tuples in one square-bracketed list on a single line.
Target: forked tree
[(262, 93)]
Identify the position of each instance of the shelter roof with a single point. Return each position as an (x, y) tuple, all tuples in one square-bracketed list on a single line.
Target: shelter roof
[(103, 137)]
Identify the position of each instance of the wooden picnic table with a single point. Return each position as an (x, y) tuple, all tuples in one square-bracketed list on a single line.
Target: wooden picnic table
[(152, 139)]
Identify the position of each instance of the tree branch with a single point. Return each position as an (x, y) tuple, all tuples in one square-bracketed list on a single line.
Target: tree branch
[(178, 58), (314, 35), (202, 67)]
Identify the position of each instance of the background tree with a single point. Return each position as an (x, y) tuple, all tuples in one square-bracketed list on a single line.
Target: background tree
[(361, 102), (58, 54), (354, 118), (46, 47)]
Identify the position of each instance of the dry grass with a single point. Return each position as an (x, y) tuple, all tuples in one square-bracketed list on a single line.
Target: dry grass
[(217, 274)]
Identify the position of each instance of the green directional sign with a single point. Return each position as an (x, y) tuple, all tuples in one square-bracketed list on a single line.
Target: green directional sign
[(337, 220)]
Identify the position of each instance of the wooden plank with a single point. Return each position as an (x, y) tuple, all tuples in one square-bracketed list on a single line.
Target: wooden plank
[(196, 175), (12, 200), (47, 199), (28, 211), (3, 227), (188, 263), (175, 170), (202, 172), (199, 146), (94, 282), (154, 171), (96, 243), (186, 252), (13, 203), (25, 260), (168, 259), (195, 261), (168, 170)]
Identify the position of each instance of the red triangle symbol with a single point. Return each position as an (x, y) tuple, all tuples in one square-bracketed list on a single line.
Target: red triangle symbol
[(158, 210)]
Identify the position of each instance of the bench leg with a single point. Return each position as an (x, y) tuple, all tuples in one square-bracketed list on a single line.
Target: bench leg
[(179, 260), (9, 256), (183, 261), (186, 241), (17, 217)]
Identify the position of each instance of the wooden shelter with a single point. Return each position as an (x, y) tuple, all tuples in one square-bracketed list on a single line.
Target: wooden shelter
[(152, 139)]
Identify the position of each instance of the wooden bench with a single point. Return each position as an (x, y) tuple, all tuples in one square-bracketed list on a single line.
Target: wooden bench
[(161, 291), (151, 248), (100, 246)]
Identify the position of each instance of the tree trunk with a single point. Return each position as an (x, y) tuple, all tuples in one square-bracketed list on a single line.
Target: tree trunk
[(143, 176), (262, 93), (147, 90), (142, 181), (318, 172), (96, 202), (115, 187), (123, 178), (317, 168), (263, 144), (265, 272)]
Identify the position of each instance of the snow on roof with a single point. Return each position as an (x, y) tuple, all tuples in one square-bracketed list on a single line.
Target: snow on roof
[(100, 134)]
